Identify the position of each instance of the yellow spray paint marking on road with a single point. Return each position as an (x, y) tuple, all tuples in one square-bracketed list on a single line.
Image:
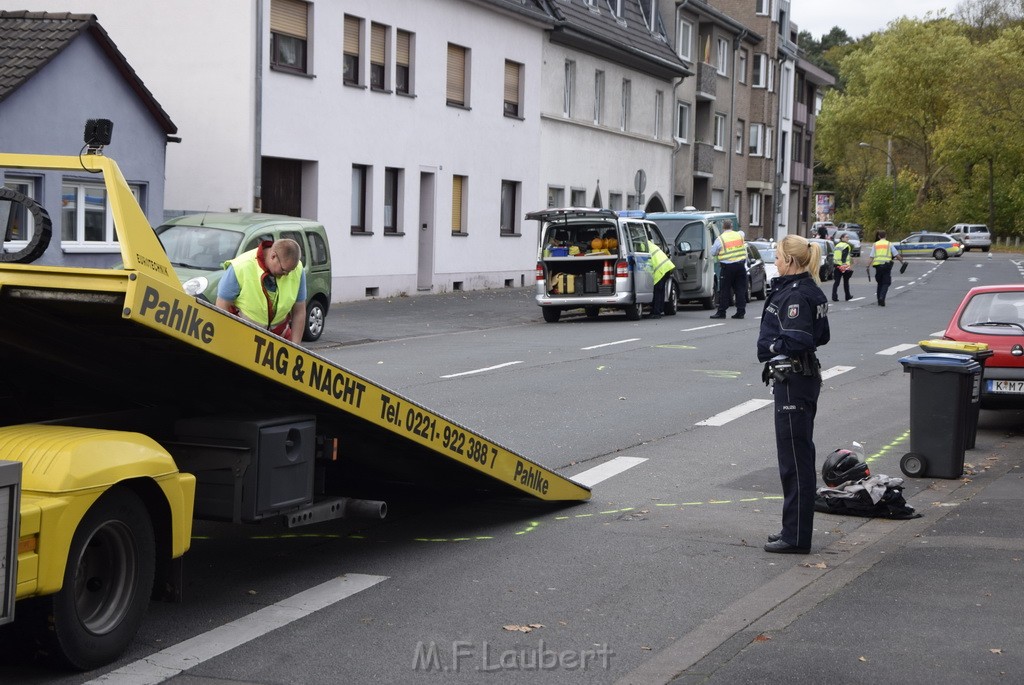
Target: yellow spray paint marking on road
[(533, 525), (721, 373)]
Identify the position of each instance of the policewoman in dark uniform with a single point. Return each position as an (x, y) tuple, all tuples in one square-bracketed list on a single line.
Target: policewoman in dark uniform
[(794, 324)]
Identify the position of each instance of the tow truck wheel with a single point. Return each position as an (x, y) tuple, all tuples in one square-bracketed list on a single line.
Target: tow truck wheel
[(315, 316), (107, 582)]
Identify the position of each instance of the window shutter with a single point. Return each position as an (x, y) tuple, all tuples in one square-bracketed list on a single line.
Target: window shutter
[(456, 74), (351, 36), (288, 17), (403, 48), (512, 82), (378, 38), (456, 204)]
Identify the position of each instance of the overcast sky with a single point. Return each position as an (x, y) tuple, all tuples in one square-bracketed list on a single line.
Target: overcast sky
[(860, 17)]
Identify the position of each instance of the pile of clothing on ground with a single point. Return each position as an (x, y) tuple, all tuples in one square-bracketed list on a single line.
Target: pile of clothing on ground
[(850, 489)]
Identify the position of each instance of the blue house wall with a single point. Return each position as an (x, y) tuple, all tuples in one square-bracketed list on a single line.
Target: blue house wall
[(47, 115)]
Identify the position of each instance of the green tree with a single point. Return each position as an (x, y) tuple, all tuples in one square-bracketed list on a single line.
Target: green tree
[(899, 88)]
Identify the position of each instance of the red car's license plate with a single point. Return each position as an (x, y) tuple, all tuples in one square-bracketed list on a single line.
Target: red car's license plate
[(1014, 387)]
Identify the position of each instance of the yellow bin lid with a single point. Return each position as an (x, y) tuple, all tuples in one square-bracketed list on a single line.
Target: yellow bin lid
[(952, 346)]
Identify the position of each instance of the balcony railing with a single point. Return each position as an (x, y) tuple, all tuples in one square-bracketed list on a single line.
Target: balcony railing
[(707, 81), (703, 159)]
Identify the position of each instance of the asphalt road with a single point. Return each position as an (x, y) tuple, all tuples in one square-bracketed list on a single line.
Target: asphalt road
[(664, 562)]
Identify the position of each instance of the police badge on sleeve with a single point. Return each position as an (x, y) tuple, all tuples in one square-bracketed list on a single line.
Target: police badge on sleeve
[(793, 311)]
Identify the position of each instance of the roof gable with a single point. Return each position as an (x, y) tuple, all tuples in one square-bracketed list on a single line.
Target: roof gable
[(31, 40)]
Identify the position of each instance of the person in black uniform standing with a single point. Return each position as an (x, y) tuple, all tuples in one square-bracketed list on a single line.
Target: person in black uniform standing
[(793, 325)]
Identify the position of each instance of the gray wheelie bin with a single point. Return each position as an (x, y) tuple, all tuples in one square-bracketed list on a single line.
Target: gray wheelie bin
[(941, 388)]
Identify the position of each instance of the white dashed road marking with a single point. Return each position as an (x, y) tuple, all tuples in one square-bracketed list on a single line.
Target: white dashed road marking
[(897, 349), (734, 413), (488, 368), (592, 477), (170, 662), (701, 328), (617, 342), (835, 371)]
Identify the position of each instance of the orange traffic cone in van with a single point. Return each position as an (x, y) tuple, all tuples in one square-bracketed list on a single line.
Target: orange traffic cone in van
[(608, 278)]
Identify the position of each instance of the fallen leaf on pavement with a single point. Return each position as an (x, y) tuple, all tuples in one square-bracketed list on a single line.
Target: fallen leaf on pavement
[(762, 638), (996, 650)]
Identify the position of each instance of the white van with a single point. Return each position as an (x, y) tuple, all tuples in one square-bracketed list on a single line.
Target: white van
[(594, 259), (972, 235)]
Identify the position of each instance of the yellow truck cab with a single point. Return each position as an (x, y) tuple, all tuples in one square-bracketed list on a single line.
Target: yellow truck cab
[(131, 407)]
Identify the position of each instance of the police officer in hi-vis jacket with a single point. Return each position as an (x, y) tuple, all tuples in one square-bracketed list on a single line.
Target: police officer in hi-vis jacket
[(794, 324), (882, 254)]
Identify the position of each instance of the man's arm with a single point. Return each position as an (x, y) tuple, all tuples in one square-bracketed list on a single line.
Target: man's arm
[(298, 321)]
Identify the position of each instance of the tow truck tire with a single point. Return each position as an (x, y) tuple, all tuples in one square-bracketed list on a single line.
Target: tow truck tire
[(551, 314), (633, 311), (107, 582), (315, 316)]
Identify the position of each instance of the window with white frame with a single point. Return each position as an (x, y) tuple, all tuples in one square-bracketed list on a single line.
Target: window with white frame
[(627, 103), (459, 196), (510, 207), (360, 193), (760, 76), (717, 199), (288, 35), (720, 129), (556, 196), (598, 97), (403, 62), (352, 50), (755, 208), (20, 222), (569, 91), (615, 202), (86, 219), (659, 106), (684, 39), (741, 67), (579, 197), (771, 75), (392, 199), (457, 89), (768, 131), (513, 88), (378, 55), (723, 56), (785, 102), (755, 140), (682, 122), (737, 199), (616, 7), (762, 6), (741, 127)]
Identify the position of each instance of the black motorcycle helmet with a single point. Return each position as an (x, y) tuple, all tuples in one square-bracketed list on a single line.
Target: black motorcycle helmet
[(842, 466)]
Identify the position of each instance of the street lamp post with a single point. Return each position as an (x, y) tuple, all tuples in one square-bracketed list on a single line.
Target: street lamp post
[(890, 166)]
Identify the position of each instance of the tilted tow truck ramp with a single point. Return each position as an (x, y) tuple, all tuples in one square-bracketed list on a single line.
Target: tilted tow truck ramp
[(130, 343)]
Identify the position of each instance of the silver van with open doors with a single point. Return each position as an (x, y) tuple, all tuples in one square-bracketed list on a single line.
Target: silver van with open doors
[(595, 259)]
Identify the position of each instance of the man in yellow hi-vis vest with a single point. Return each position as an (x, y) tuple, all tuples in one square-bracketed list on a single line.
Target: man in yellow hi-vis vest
[(731, 251), (882, 254), (842, 258), (661, 269), (267, 286)]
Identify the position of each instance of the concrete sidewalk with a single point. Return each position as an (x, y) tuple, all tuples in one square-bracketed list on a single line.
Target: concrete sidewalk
[(930, 600)]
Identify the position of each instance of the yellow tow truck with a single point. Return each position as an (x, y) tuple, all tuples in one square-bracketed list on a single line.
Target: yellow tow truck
[(117, 431)]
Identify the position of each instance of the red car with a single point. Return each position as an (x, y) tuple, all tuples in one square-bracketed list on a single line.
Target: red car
[(994, 315)]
